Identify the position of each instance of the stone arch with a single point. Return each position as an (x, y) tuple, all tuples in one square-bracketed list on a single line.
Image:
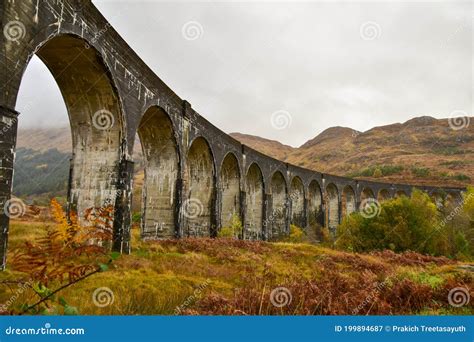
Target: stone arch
[(452, 199), (366, 194), (332, 206), (279, 216), (229, 189), (199, 190), (161, 162), (438, 199), (400, 193), (297, 202), (95, 116), (348, 201), (314, 203), (254, 192), (383, 195)]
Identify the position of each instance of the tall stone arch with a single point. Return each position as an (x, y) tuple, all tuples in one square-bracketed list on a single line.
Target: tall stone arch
[(279, 215), (332, 206), (161, 174), (198, 207), (297, 201), (367, 194), (100, 173), (348, 201), (400, 193), (383, 195), (230, 189), (254, 197), (315, 215)]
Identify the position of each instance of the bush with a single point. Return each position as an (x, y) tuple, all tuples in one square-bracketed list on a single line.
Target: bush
[(462, 177), (420, 171), (136, 217), (378, 173), (235, 229), (297, 235), (406, 224)]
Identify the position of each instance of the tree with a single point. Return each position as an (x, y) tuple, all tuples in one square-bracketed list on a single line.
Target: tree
[(402, 224)]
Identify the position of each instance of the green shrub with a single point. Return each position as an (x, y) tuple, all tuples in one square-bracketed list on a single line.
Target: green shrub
[(420, 171), (406, 224), (462, 177), (413, 224), (297, 234), (377, 171), (136, 217), (235, 229)]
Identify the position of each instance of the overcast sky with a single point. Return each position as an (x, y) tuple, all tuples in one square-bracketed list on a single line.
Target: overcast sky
[(287, 71)]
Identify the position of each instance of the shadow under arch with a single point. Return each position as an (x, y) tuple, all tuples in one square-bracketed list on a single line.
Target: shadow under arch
[(332, 207), (198, 208), (366, 194), (315, 215), (161, 174), (95, 117), (383, 195), (348, 201), (279, 215), (254, 196), (297, 200), (230, 189)]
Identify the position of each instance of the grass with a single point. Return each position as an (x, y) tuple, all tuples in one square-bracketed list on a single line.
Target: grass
[(381, 170), (228, 276)]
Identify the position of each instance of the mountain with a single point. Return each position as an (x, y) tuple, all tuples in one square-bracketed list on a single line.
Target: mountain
[(270, 147), (423, 150), (43, 139)]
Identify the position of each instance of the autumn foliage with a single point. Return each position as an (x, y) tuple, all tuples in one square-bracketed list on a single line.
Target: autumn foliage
[(67, 252)]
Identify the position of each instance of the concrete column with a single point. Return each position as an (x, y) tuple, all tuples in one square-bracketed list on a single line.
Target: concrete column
[(267, 213), (339, 211), (321, 214), (218, 206), (305, 213), (289, 213), (123, 201), (214, 210), (243, 208), (8, 130), (179, 221), (69, 205)]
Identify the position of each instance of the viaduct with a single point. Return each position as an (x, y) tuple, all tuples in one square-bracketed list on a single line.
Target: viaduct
[(196, 176)]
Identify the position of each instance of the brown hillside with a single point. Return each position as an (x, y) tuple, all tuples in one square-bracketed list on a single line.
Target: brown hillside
[(422, 150), (270, 147)]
